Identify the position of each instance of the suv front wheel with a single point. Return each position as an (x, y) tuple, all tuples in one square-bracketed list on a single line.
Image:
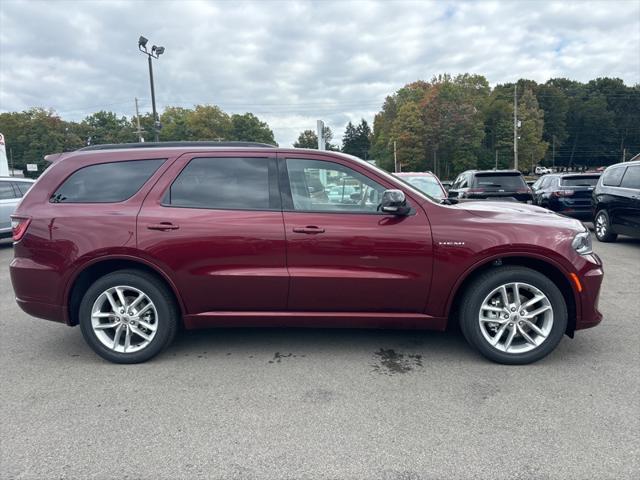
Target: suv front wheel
[(513, 315), (128, 316), (602, 226)]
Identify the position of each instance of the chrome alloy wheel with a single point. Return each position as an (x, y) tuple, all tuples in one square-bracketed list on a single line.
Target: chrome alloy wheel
[(601, 226), (516, 318), (124, 319)]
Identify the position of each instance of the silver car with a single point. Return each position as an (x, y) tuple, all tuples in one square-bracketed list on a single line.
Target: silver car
[(11, 191)]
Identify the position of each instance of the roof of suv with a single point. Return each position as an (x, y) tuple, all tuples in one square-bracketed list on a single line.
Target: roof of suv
[(493, 172), (121, 146)]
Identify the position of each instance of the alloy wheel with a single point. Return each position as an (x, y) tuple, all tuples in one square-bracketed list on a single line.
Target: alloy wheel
[(516, 318), (124, 319), (601, 226)]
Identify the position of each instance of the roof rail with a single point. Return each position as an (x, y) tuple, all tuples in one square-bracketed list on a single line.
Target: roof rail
[(114, 146)]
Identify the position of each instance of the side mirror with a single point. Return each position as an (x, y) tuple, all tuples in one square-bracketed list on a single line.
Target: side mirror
[(394, 202)]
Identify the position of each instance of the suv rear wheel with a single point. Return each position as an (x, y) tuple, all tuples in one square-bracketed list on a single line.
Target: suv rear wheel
[(128, 316), (602, 226), (513, 315)]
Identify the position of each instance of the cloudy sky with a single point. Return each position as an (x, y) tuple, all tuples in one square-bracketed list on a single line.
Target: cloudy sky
[(294, 62)]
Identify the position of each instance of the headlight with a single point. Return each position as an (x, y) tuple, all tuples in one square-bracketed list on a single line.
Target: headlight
[(582, 243)]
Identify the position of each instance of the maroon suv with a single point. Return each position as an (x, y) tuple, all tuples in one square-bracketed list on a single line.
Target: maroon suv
[(130, 241)]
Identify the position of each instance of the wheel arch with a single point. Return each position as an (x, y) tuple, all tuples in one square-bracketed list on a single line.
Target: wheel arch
[(89, 272), (547, 267)]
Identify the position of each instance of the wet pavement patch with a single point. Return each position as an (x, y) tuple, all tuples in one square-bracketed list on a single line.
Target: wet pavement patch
[(392, 362), (277, 357)]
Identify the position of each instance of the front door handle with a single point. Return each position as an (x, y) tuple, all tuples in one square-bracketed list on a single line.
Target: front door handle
[(310, 229), (163, 226)]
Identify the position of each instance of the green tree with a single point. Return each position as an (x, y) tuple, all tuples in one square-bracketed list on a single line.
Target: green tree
[(309, 139), (531, 146), (250, 128), (357, 140)]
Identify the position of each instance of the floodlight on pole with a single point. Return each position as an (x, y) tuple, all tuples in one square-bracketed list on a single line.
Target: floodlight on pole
[(155, 53)]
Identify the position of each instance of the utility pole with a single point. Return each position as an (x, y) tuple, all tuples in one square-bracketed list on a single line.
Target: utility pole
[(553, 158), (395, 158), (154, 53), (496, 160), (140, 139), (624, 155), (10, 162), (515, 126), (435, 162), (321, 140)]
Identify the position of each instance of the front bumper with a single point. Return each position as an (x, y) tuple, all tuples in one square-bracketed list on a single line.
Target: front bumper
[(590, 276)]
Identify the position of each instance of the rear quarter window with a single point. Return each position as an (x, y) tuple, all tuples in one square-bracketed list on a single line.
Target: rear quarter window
[(581, 181), (631, 178), (6, 191), (612, 176), (106, 182)]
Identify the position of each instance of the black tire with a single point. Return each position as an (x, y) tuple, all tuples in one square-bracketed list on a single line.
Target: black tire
[(605, 234), (483, 285), (160, 295)]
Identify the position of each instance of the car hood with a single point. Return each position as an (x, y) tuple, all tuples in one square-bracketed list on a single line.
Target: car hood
[(519, 213)]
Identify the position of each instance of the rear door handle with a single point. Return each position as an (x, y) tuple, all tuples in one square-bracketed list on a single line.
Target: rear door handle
[(310, 229), (163, 226)]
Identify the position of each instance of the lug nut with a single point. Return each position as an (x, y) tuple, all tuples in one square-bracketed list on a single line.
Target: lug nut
[(513, 309), (511, 324), (506, 316), (122, 310), (523, 313)]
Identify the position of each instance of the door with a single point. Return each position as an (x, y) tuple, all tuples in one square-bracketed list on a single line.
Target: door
[(630, 202), (217, 228), (342, 254)]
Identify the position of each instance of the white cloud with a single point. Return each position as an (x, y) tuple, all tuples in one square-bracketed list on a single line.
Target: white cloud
[(294, 62)]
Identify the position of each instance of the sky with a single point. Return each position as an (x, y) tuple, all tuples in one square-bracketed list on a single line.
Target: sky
[(293, 62)]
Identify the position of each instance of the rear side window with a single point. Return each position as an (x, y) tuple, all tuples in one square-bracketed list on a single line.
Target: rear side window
[(22, 187), (631, 178), (612, 177), (106, 182), (580, 181), (6, 191), (506, 181), (223, 183)]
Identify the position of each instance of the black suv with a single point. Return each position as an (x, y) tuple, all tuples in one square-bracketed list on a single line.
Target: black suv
[(616, 202), (506, 185), (566, 193)]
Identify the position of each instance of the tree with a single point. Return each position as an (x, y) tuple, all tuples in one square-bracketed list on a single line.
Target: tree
[(357, 140), (309, 139), (531, 146), (249, 128)]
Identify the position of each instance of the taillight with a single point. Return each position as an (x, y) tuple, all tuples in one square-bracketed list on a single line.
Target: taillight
[(562, 193), (19, 227)]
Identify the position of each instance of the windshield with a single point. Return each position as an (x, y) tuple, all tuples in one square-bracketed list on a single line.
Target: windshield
[(581, 181), (426, 184), (509, 181)]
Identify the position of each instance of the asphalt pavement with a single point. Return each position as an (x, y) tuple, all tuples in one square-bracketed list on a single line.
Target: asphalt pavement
[(324, 404)]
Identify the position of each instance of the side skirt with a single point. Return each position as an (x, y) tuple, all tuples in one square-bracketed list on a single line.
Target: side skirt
[(389, 320)]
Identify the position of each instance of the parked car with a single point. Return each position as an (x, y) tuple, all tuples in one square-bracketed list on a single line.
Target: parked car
[(542, 170), (426, 182), (130, 241), (616, 202), (507, 185), (566, 193), (11, 192)]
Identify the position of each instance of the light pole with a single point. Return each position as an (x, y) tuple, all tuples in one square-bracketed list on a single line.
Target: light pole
[(154, 53)]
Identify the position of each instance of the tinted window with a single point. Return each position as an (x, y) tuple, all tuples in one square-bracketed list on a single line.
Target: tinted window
[(222, 183), (504, 182), (612, 176), (426, 184), (23, 187), (106, 182), (331, 187), (6, 191), (581, 181), (631, 178)]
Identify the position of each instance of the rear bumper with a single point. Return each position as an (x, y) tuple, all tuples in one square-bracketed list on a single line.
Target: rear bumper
[(35, 286)]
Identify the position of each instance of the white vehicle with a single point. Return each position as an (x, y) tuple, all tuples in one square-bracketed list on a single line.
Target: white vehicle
[(543, 170), (11, 192)]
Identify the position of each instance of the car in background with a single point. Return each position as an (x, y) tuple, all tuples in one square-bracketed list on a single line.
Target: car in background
[(446, 184), (616, 202), (11, 192), (505, 185), (542, 170), (426, 182), (566, 193)]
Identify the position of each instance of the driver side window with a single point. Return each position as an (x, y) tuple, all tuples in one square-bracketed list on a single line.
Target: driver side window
[(320, 186)]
